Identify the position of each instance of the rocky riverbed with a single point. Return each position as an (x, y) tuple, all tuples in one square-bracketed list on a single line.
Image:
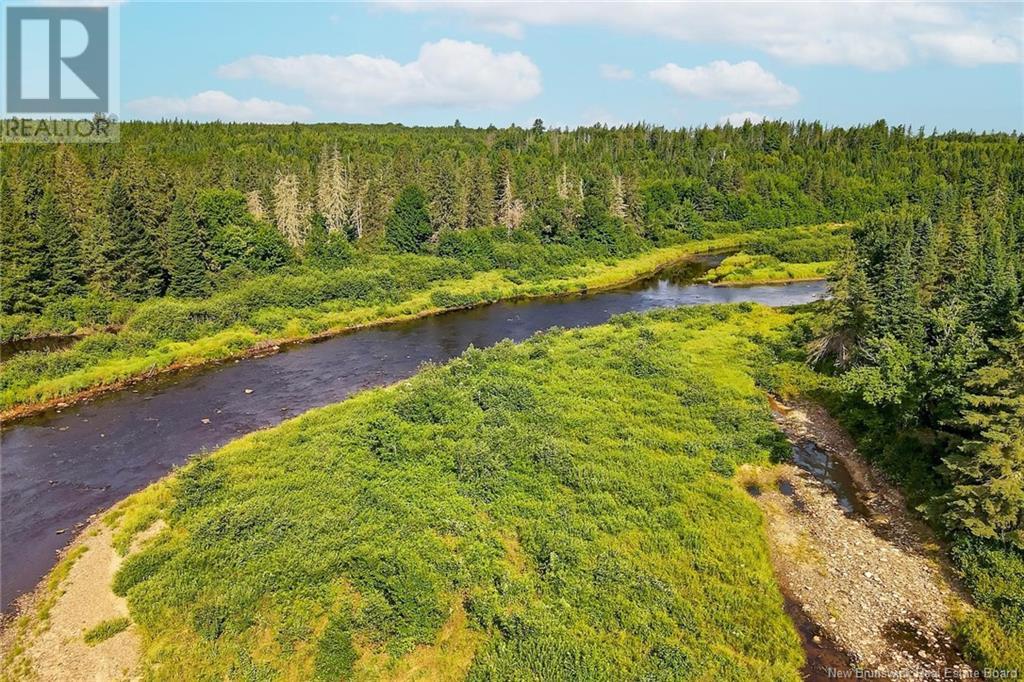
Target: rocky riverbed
[(865, 573)]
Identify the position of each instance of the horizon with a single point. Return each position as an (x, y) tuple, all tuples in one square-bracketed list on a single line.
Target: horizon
[(913, 130), (943, 66)]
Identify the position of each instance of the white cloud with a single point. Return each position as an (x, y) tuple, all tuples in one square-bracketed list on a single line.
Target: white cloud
[(744, 82), (969, 49), (216, 105), (740, 117), (447, 73), (615, 73), (870, 35)]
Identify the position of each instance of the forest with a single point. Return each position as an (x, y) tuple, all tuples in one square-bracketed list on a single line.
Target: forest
[(192, 242)]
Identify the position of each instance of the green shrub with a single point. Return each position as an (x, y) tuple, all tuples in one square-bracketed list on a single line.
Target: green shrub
[(335, 654), (106, 630), (208, 621)]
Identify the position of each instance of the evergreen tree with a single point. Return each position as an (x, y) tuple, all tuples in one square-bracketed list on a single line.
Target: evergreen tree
[(96, 250), (324, 248), (987, 474), (376, 202), (848, 316), (134, 262), (63, 248), (446, 210), (72, 189), (23, 273), (408, 226), (479, 194), (187, 266)]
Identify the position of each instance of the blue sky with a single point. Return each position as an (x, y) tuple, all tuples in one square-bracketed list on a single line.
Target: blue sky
[(922, 64)]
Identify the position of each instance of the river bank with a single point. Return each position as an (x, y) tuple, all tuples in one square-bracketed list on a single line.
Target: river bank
[(868, 575), (683, 563), (233, 344)]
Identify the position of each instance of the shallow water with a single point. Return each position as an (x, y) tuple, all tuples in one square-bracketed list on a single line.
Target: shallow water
[(61, 466), (833, 474)]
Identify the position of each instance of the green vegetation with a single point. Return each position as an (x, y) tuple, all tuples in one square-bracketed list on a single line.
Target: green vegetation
[(106, 630), (743, 268), (800, 253), (302, 301), (923, 344), (177, 204), (560, 508), (187, 243)]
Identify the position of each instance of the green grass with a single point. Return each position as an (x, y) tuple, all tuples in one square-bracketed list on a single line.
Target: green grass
[(303, 303), (743, 268), (558, 509), (106, 630)]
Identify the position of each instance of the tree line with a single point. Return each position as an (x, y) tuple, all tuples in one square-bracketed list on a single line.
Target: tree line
[(926, 332), (178, 207)]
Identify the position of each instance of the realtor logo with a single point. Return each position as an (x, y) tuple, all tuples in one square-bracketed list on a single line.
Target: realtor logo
[(58, 74)]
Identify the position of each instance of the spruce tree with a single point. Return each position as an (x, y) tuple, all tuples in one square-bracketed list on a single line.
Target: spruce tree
[(187, 268), (408, 226), (479, 195), (987, 495), (96, 251), (23, 273), (134, 261), (446, 210), (62, 246)]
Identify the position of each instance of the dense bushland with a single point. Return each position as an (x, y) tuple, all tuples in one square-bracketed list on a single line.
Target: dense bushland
[(562, 508)]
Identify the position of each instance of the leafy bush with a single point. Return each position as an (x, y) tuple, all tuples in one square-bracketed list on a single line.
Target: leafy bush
[(106, 630), (334, 652), (568, 503)]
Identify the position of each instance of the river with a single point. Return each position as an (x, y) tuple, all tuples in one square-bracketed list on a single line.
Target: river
[(61, 466)]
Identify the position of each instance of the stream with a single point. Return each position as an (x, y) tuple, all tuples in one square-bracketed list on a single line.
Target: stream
[(61, 466)]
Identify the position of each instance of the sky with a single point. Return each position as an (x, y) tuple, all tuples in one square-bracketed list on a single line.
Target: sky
[(937, 65)]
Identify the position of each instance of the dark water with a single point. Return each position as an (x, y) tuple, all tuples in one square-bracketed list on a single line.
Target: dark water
[(833, 473), (59, 467)]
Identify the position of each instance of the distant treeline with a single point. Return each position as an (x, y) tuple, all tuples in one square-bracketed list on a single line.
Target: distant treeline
[(176, 205)]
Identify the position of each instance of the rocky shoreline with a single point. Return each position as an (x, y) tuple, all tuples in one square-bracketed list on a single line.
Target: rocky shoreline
[(871, 579)]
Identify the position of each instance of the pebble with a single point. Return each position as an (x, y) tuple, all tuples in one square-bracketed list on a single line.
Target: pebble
[(205, 420), (248, 390)]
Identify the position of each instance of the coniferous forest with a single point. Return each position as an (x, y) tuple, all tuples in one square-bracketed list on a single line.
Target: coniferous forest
[(188, 243)]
